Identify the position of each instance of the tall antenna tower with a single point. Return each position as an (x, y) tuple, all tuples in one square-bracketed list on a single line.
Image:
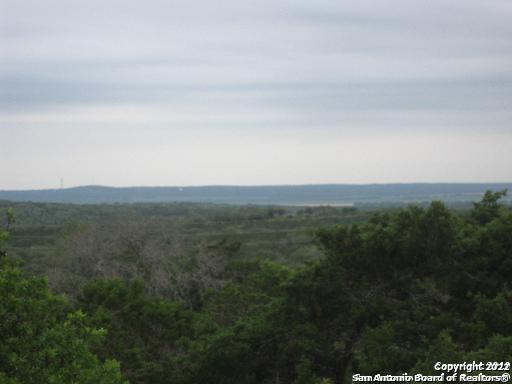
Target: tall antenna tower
[(61, 183)]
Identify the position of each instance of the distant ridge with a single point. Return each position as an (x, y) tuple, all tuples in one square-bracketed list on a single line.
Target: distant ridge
[(315, 194)]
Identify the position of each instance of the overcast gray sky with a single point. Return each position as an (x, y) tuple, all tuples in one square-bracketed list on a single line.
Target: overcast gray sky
[(126, 92)]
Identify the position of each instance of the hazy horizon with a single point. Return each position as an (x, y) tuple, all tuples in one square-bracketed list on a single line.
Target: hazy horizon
[(123, 93), (64, 187)]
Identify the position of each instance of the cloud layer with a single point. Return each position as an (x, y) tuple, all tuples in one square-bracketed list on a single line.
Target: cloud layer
[(254, 92)]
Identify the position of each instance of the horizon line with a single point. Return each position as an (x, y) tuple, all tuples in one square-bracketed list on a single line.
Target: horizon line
[(259, 185)]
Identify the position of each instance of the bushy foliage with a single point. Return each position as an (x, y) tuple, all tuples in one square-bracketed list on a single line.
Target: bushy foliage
[(42, 339)]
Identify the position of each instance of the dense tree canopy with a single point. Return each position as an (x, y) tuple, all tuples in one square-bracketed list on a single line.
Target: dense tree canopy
[(42, 339), (391, 295)]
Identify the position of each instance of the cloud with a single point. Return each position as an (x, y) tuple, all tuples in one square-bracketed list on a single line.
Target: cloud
[(255, 66)]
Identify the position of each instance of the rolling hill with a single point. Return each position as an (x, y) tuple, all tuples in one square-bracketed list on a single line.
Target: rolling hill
[(325, 194)]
